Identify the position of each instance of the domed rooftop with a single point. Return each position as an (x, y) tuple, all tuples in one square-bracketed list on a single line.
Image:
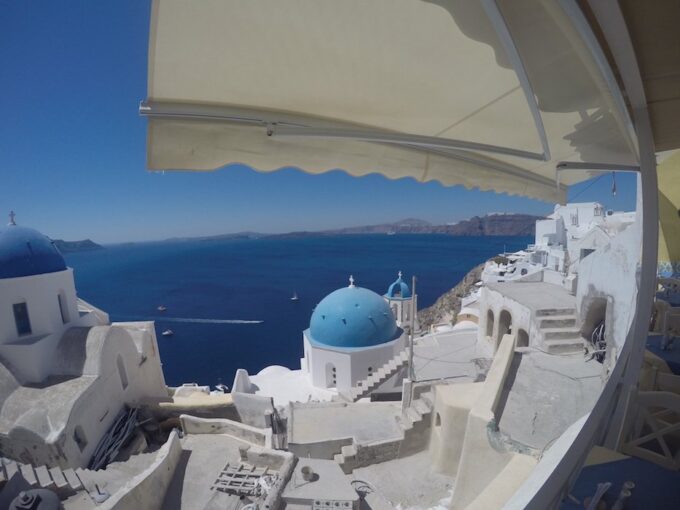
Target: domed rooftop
[(398, 289), (353, 317), (26, 252)]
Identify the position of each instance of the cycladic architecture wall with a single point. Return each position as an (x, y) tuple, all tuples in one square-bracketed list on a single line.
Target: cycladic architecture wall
[(65, 371)]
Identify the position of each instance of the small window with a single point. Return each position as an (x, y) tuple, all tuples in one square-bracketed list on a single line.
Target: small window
[(122, 373), (63, 307), (438, 420), (79, 437), (21, 319)]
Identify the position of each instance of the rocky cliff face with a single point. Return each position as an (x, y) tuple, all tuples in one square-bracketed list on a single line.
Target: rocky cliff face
[(489, 225), (447, 307), (496, 225)]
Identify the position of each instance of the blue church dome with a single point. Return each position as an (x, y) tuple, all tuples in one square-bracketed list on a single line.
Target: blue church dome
[(353, 317), (398, 289), (26, 252)]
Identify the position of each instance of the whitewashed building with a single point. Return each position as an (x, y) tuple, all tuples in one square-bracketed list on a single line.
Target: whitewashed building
[(65, 370)]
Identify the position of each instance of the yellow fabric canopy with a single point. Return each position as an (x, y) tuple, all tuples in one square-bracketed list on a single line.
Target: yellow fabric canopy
[(490, 95), (669, 215)]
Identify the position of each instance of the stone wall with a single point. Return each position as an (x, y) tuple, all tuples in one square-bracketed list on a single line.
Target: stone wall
[(253, 435)]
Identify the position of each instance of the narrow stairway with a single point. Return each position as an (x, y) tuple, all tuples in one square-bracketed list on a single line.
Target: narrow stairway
[(64, 482), (559, 330), (414, 422), (366, 386)]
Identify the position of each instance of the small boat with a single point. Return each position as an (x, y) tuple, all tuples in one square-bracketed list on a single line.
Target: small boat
[(168, 332), (391, 233), (222, 387), (294, 297), (161, 308)]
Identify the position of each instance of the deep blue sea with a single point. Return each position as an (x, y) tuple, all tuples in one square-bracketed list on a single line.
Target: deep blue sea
[(253, 279)]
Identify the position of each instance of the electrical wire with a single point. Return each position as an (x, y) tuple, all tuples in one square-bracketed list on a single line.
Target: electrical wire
[(586, 188)]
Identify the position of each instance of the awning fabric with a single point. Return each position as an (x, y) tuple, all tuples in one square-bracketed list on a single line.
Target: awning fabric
[(224, 75), (669, 215)]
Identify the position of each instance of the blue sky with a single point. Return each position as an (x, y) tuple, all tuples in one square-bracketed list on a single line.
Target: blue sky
[(72, 148)]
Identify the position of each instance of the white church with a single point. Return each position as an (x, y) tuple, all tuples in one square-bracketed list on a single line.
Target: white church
[(66, 372), (353, 334)]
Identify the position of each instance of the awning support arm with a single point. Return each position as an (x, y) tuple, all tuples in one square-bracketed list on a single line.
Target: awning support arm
[(425, 142), (501, 28)]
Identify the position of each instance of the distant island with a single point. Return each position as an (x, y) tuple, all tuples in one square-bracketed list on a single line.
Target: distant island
[(499, 224), (489, 225), (74, 246)]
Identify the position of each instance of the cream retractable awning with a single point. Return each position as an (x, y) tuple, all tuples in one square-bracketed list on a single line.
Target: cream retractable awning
[(490, 94), (669, 215)]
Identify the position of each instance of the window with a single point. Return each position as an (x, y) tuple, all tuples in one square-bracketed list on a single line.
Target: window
[(79, 437), (21, 319), (63, 307)]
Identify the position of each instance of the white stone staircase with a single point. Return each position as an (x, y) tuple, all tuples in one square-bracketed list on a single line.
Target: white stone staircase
[(65, 482), (414, 421), (559, 331), (366, 386)]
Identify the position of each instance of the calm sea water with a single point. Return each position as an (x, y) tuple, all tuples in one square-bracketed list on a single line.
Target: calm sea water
[(253, 280)]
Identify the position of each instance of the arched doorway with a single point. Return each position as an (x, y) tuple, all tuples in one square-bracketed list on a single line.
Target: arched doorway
[(504, 325), (522, 338), (331, 376), (489, 323)]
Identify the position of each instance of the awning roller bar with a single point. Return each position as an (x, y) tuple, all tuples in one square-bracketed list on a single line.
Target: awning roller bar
[(283, 125), (603, 167)]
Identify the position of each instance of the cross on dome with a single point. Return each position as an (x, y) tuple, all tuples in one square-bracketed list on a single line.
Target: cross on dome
[(351, 280), (399, 274), (11, 218)]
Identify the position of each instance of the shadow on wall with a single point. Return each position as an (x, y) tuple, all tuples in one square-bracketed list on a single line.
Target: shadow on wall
[(595, 313)]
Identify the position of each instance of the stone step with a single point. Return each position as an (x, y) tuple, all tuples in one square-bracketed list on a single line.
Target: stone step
[(28, 473), (545, 312), (58, 478), (44, 478), (404, 422), (72, 479), (564, 345), (421, 406), (560, 333), (413, 415), (558, 321), (11, 468), (348, 451), (428, 398)]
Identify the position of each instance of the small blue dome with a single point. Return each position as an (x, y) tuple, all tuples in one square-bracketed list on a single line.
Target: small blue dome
[(398, 289), (353, 317), (26, 252)]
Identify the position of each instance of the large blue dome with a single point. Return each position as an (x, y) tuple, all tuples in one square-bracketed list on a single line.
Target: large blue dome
[(353, 317), (26, 252)]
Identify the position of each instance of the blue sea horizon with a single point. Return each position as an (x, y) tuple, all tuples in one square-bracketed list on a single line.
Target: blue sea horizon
[(228, 300)]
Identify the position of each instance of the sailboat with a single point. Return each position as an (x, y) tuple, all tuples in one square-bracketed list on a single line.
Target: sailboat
[(294, 297)]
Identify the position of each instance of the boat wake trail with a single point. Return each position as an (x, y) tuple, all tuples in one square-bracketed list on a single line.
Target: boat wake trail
[(193, 320), (206, 321)]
